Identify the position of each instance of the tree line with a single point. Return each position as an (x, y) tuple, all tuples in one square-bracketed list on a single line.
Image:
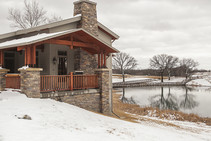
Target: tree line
[(160, 65)]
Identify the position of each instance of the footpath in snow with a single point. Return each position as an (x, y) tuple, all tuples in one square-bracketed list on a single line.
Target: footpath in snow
[(56, 121)]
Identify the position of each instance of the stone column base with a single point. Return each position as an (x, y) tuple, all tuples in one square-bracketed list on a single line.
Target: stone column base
[(103, 82), (30, 82), (3, 72)]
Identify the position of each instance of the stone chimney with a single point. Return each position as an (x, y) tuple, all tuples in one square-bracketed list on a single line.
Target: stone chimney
[(88, 12)]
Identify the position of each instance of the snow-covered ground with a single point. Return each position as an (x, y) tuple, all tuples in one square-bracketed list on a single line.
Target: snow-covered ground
[(199, 82), (56, 121), (114, 80), (175, 79), (140, 78)]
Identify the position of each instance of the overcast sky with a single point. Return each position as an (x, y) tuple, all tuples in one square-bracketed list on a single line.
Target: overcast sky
[(146, 27)]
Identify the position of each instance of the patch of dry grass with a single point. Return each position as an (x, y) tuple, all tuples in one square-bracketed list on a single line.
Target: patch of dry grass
[(127, 112)]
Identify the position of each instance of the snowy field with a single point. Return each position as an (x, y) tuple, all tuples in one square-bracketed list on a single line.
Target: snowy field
[(56, 121)]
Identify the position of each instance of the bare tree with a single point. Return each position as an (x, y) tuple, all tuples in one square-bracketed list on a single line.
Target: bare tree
[(172, 62), (31, 16), (124, 61), (188, 65), (159, 62), (54, 18)]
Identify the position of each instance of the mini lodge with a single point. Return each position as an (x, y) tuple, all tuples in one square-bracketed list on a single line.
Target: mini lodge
[(68, 56)]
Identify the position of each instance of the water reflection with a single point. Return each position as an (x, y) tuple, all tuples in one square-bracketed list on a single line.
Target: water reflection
[(188, 101), (127, 100), (159, 101), (185, 99)]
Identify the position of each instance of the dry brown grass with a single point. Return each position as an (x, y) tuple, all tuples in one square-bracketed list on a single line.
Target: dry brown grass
[(127, 111)]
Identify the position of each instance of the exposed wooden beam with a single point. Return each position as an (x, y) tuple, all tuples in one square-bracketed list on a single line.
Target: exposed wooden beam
[(20, 48)]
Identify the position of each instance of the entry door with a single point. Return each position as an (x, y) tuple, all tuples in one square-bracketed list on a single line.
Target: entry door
[(62, 66), (9, 61)]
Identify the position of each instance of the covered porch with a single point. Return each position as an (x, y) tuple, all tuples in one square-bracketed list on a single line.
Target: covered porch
[(62, 57)]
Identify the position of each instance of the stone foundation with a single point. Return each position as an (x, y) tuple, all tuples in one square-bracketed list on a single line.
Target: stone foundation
[(30, 82), (3, 72), (89, 102)]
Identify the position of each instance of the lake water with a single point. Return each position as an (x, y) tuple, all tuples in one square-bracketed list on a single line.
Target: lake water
[(195, 100)]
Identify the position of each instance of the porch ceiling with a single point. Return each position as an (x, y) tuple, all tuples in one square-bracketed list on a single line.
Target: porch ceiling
[(80, 37)]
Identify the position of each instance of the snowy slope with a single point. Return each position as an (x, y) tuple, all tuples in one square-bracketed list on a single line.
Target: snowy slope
[(56, 121)]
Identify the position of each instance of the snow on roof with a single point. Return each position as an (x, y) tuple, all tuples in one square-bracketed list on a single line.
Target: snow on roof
[(33, 39), (45, 36)]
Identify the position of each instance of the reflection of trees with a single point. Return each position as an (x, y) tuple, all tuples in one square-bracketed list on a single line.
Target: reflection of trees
[(161, 102), (188, 102), (127, 100), (171, 101)]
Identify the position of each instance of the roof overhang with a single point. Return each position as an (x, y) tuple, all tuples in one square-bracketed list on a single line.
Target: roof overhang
[(79, 33), (113, 35), (41, 27)]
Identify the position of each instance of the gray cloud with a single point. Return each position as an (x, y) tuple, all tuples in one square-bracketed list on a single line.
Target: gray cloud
[(146, 27)]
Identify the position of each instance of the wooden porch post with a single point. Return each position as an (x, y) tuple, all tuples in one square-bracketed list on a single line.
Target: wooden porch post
[(25, 52), (101, 60), (30, 56), (33, 55), (104, 59), (1, 58), (71, 38), (27, 56), (71, 81)]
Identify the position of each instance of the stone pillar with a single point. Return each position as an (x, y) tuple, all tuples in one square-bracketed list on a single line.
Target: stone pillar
[(84, 61), (103, 81), (3, 72), (30, 81), (88, 12)]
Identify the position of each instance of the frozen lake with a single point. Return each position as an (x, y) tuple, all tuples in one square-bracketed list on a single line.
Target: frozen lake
[(195, 100)]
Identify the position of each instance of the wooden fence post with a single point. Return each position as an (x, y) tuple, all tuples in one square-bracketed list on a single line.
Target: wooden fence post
[(71, 81)]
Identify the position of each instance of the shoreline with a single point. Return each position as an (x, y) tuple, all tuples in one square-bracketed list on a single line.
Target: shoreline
[(132, 112)]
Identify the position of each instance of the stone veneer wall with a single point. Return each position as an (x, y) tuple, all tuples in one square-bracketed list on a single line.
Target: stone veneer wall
[(84, 61), (30, 82), (3, 72), (89, 101)]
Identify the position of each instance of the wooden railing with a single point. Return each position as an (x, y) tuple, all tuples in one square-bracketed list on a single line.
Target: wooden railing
[(67, 82), (85, 81), (13, 81)]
